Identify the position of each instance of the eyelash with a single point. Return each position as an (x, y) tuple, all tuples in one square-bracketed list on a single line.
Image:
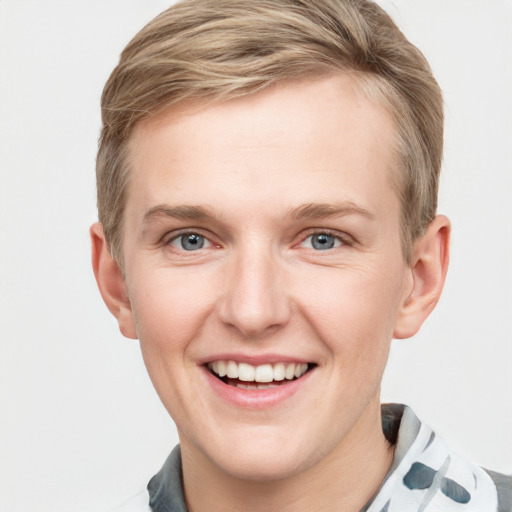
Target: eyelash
[(342, 238), (171, 237)]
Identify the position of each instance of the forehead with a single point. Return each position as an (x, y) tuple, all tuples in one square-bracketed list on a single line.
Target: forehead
[(296, 142)]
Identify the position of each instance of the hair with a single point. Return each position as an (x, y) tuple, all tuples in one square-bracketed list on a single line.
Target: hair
[(214, 50)]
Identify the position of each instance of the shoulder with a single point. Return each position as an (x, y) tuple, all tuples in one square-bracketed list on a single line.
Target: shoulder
[(503, 485), (427, 472)]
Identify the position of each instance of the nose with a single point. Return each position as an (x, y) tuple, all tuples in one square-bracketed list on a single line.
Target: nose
[(254, 301)]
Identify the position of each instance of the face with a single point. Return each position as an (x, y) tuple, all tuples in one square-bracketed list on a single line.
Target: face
[(264, 272)]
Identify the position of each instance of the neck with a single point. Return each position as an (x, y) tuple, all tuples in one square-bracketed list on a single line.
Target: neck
[(345, 479)]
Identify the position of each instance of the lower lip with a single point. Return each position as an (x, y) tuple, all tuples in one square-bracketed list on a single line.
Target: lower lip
[(256, 398)]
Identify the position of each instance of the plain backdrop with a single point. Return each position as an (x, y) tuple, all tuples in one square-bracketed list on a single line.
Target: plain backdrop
[(81, 427)]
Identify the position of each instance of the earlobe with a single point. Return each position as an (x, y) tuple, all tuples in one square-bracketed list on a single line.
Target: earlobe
[(428, 269), (111, 282)]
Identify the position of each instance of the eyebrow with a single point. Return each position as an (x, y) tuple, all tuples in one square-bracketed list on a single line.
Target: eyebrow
[(185, 212), (302, 212), (321, 210)]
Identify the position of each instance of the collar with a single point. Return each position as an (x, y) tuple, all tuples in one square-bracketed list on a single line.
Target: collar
[(424, 472)]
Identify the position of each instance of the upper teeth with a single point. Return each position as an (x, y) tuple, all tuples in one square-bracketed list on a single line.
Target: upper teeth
[(261, 373)]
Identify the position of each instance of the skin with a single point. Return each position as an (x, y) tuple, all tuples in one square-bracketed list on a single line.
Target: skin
[(258, 168)]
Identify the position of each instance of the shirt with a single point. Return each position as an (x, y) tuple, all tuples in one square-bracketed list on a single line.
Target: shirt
[(425, 476)]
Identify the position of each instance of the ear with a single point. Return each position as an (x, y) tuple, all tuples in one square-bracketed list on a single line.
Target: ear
[(428, 269), (111, 282)]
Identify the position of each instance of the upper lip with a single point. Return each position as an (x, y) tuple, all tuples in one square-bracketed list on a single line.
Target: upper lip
[(252, 359)]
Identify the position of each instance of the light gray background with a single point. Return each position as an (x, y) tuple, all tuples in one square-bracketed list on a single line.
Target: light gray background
[(81, 427)]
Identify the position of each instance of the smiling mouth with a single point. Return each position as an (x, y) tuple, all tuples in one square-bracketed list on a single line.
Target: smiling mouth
[(265, 376)]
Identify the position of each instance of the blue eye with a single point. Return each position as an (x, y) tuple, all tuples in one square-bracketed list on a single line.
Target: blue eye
[(190, 242), (323, 241)]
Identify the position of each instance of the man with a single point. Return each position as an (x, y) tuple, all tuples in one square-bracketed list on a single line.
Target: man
[(267, 192)]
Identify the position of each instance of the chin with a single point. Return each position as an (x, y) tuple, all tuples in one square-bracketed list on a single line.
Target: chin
[(261, 468), (264, 457)]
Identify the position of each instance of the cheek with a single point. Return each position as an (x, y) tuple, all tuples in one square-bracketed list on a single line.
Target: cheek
[(169, 314), (168, 307), (353, 311)]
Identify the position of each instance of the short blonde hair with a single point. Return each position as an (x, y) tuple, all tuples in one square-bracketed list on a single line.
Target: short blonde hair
[(214, 50)]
